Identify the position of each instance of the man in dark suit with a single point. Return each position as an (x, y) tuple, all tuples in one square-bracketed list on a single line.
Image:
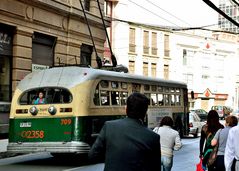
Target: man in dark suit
[(126, 144)]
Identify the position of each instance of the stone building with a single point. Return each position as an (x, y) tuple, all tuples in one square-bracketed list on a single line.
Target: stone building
[(39, 34)]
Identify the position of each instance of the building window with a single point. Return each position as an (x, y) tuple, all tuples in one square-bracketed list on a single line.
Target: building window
[(166, 72), (108, 5), (85, 55), (43, 49), (166, 45), (87, 5), (153, 69), (145, 68), (146, 43), (188, 57), (154, 49), (131, 67), (188, 79), (184, 57), (132, 40)]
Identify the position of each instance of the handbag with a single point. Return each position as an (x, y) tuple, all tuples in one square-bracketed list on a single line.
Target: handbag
[(199, 166), (213, 155)]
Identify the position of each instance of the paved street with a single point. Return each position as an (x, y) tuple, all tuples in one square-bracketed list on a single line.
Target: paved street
[(185, 159)]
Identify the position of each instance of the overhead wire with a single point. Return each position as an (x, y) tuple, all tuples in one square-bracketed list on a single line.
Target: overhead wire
[(169, 28), (235, 2), (153, 13), (167, 12)]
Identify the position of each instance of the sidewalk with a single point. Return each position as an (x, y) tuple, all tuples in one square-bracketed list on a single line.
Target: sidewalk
[(3, 145)]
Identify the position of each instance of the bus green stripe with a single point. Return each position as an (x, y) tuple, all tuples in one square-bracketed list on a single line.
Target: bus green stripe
[(39, 130)]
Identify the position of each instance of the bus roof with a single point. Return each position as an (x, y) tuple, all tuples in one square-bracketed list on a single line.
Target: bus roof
[(69, 77)]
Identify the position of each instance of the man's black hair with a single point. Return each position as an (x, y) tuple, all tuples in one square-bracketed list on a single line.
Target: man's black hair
[(137, 105)]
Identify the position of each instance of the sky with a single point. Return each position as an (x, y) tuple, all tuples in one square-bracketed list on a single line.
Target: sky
[(189, 13)]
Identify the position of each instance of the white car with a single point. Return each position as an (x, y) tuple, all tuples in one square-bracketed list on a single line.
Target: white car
[(195, 124)]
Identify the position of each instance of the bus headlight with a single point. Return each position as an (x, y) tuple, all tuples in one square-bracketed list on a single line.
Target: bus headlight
[(52, 110), (33, 110)]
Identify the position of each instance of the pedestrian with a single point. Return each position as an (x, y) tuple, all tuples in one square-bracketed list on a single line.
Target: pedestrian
[(207, 133), (232, 150), (40, 99), (221, 138), (127, 144), (169, 140)]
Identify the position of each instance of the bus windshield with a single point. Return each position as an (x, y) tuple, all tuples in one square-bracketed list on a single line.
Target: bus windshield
[(46, 96)]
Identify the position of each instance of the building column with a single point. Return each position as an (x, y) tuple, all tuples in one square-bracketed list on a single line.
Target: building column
[(22, 55)]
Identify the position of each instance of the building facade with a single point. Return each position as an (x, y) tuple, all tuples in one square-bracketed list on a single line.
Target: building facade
[(232, 10), (202, 59), (204, 63), (39, 34)]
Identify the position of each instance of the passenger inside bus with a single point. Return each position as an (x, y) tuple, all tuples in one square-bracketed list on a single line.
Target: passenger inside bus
[(40, 99)]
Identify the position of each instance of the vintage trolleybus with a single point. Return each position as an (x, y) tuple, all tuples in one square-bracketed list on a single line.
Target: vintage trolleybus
[(77, 103)]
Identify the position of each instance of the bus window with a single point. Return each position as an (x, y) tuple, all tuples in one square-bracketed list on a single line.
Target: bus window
[(105, 98), (123, 98), (172, 99), (172, 90), (160, 89), (166, 97), (97, 96), (51, 95), (115, 98), (166, 89), (154, 88), (146, 87), (153, 99), (178, 101), (160, 99), (135, 87), (104, 84), (147, 95), (114, 84), (124, 85)]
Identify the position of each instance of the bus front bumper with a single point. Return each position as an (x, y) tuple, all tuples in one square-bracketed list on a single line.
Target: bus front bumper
[(52, 147)]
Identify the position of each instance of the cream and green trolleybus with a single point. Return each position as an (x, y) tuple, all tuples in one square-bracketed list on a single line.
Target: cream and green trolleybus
[(78, 101)]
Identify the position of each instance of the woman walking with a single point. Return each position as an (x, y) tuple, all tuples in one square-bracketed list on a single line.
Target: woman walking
[(207, 134), (169, 140), (221, 138)]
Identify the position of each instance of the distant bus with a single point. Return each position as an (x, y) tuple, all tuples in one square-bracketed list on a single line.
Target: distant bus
[(77, 103)]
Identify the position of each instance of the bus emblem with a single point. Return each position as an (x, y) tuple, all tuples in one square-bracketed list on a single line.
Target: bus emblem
[(25, 124)]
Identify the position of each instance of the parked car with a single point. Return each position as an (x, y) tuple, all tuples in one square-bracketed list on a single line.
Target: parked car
[(201, 113), (195, 124), (222, 111)]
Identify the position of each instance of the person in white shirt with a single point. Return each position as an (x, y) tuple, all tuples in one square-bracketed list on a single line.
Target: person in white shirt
[(169, 140), (232, 150)]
